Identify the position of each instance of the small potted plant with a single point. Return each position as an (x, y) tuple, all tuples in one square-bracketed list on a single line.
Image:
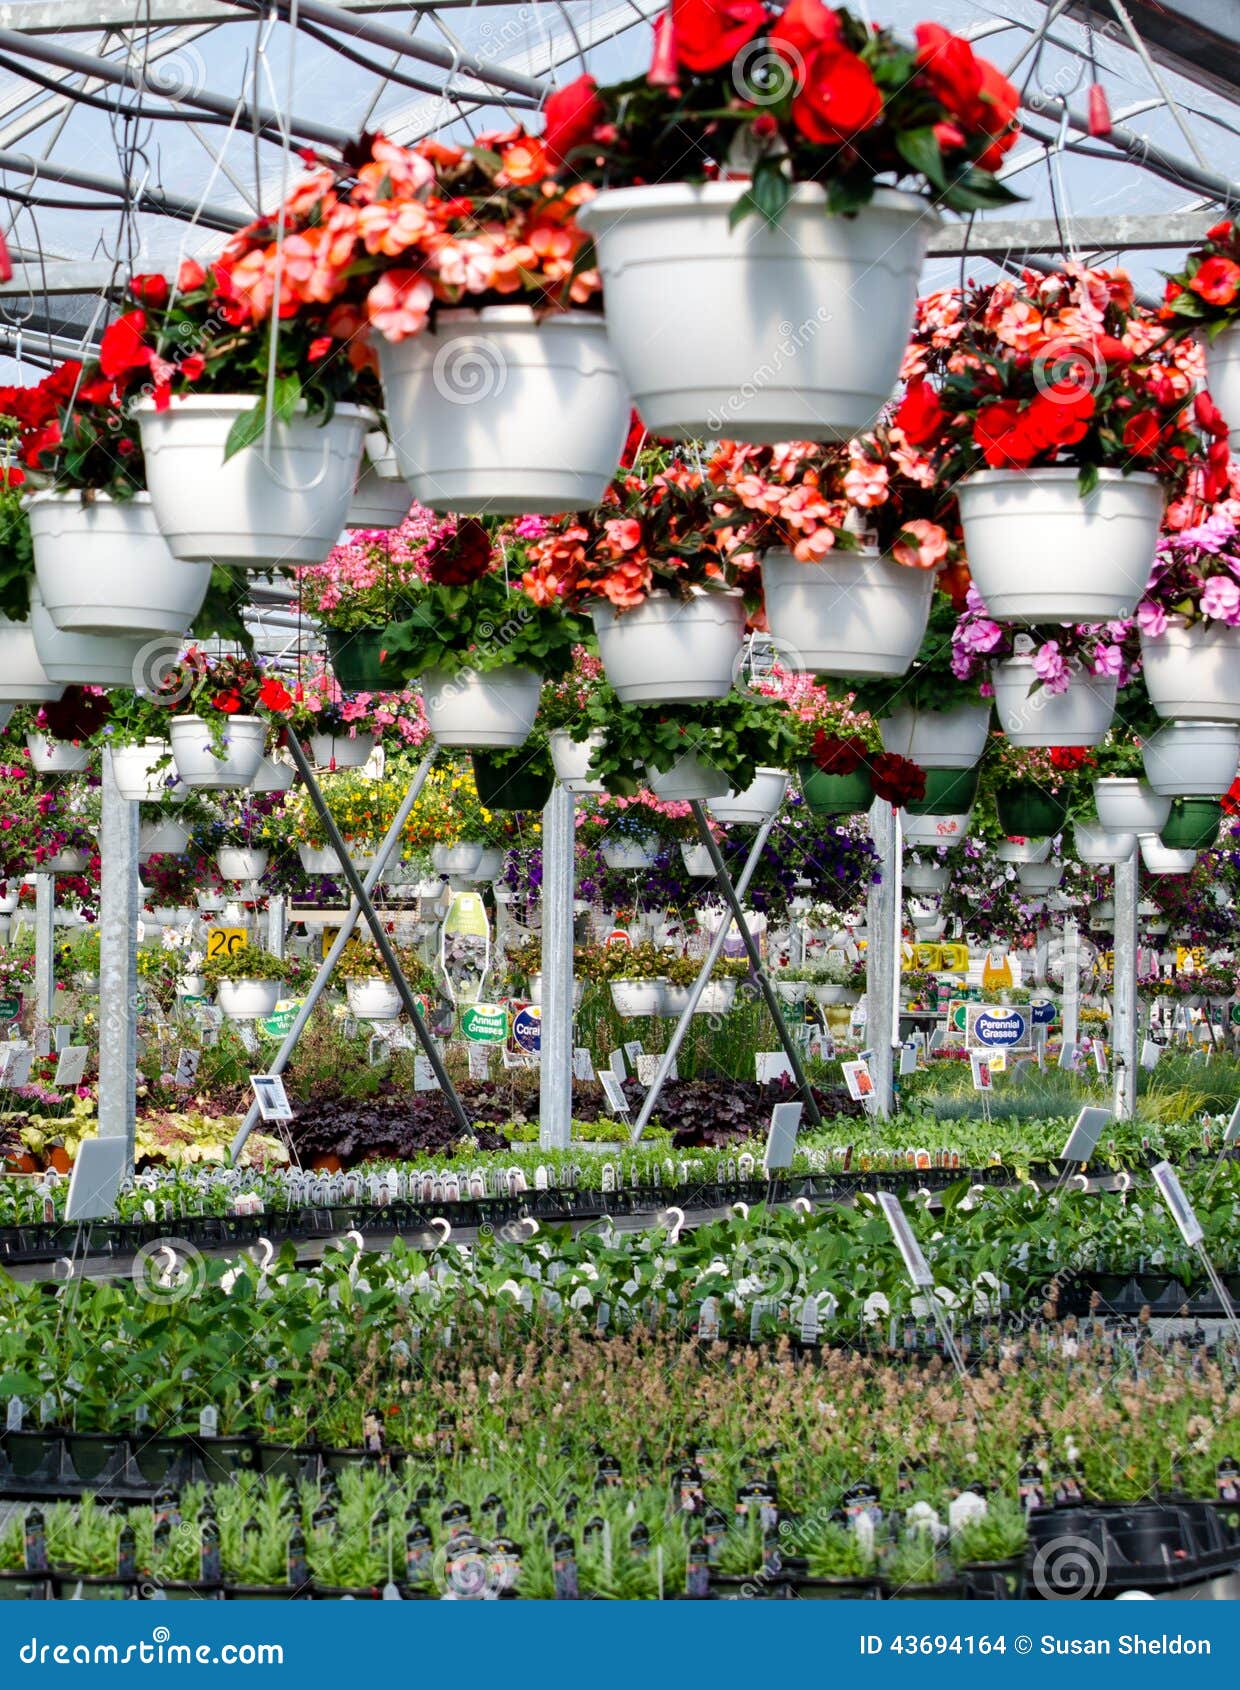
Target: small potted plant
[(692, 750), (248, 983), (913, 1569), (638, 978), (369, 987), (223, 711), (842, 775), (626, 832), (60, 736), (842, 1565), (1122, 801), (239, 833), (989, 1549), (564, 716), (1031, 788)]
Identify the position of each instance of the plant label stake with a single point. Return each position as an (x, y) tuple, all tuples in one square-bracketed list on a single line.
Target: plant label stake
[(1230, 1134), (616, 1100), (70, 1066), (1083, 1139), (273, 1104), (918, 1270), (1193, 1234), (583, 1067)]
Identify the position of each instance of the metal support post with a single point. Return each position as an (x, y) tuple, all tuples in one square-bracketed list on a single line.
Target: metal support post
[(277, 924), (119, 903), (344, 933), (384, 945), (755, 960), (1071, 1003), (555, 1068), (718, 939), (882, 959), (1124, 988), (44, 945)]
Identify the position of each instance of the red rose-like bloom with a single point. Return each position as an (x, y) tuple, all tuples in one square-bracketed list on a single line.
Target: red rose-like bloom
[(838, 99), (835, 755), (227, 702), (122, 348), (710, 32), (274, 695), (1221, 232), (950, 69), (801, 27), (996, 430), (190, 276), (998, 107), (1217, 281), (897, 779), (569, 117), (462, 557), (150, 289), (920, 416), (1058, 417), (1141, 434), (1209, 417)]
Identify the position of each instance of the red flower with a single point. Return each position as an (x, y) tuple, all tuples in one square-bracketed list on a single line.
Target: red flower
[(1221, 232), (835, 755), (122, 348), (1070, 757), (897, 779), (193, 366), (1217, 281), (229, 703), (462, 557), (1058, 417), (663, 72), (950, 69), (12, 476), (1208, 416), (319, 347), (803, 26), (1230, 801), (274, 695), (996, 430), (920, 416), (1141, 433), (999, 103), (100, 390), (43, 439), (709, 33), (190, 276), (839, 98), (569, 117), (150, 289)]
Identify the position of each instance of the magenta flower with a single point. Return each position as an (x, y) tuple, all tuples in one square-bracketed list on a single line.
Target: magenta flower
[(1050, 668), (1220, 598), (1151, 617)]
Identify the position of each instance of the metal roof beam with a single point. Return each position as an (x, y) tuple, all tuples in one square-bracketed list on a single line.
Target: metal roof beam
[(38, 170), (65, 17), (1089, 234)]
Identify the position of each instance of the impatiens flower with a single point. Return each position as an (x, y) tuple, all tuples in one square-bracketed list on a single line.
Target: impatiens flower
[(1217, 280), (150, 289), (710, 33), (399, 304), (922, 544), (839, 97), (1108, 660), (920, 416), (1220, 599), (1050, 667), (122, 349), (274, 695), (569, 117)]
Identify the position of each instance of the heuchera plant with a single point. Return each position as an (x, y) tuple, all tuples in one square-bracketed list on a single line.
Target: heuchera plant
[(796, 93)]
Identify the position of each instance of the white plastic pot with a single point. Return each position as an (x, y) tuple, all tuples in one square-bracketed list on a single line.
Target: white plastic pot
[(1040, 877), (499, 411), (827, 994), (1126, 805), (490, 864), (273, 776), (134, 768), (752, 806), (925, 877), (690, 776), (64, 862), (319, 859), (1038, 552), (628, 853), (99, 660), (1223, 377), (379, 500), (162, 838), (696, 859), (1161, 859), (791, 991), (751, 332), (1030, 714), (638, 997), (198, 764), (937, 739), (23, 679), (934, 830), (1102, 845), (853, 613), (468, 708), (716, 999), (1192, 759), (104, 567), (535, 995), (248, 1000), (460, 859), (571, 761), (339, 751), (235, 863), (193, 986), (210, 903), (259, 510), (668, 650), (1023, 850), (373, 998), (56, 756), (1193, 673)]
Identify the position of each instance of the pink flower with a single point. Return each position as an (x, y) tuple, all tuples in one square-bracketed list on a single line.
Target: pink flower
[(399, 304), (922, 544), (865, 484), (1220, 598), (1151, 617), (1050, 667), (1108, 660), (980, 635)]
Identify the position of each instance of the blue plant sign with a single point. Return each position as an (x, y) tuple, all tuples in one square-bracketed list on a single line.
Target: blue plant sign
[(527, 1030), (998, 1027)]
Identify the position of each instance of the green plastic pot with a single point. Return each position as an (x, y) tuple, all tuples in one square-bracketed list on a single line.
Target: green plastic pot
[(834, 795), (355, 655), (1029, 812), (522, 782), (949, 792), (1192, 825)]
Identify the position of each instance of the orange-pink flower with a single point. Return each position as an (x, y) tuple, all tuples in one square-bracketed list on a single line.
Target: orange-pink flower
[(922, 544), (399, 304)]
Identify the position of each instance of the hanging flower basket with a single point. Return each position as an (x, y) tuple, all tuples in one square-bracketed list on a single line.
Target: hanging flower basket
[(494, 709), (921, 831), (489, 866), (669, 650), (373, 998), (356, 655), (853, 614), (1193, 824), (462, 858), (925, 877), (1031, 714), (755, 804), (64, 862), (1193, 673), (1039, 878), (1192, 759), (1102, 846), (257, 510), (506, 411), (834, 795), (948, 791), (638, 997), (696, 859), (512, 783), (102, 660), (937, 739), (341, 751), (1029, 811), (571, 760), (691, 776), (630, 853), (241, 864), (145, 773), (1126, 805), (1023, 850), (56, 757), (104, 567), (320, 859), (675, 269), (248, 1000), (273, 776), (23, 679), (1161, 859), (1039, 552), (236, 761), (162, 838)]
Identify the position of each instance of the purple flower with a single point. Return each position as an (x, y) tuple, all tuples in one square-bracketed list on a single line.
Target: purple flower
[(1108, 660)]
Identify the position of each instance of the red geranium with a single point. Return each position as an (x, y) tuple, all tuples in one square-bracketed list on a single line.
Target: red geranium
[(835, 755), (461, 557), (709, 33), (274, 695), (122, 349), (1217, 280), (839, 97), (569, 117), (920, 416), (229, 703), (897, 779)]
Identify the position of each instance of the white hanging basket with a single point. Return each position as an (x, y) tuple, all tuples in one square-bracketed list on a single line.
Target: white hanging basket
[(50, 756), (1039, 877), (97, 660), (628, 853), (1023, 850), (1030, 714), (696, 859), (373, 998), (828, 994), (571, 760), (378, 502), (104, 567), (248, 1000), (462, 859), (339, 751), (65, 862), (925, 877), (23, 679), (934, 830), (1192, 759), (1038, 552), (259, 510), (199, 765), (1126, 805), (192, 986), (1193, 673), (850, 614), (1161, 859), (755, 804), (492, 709), (1102, 845), (669, 650), (490, 864), (638, 997), (241, 863), (716, 999), (319, 859), (138, 775), (274, 775), (504, 412), (535, 992), (791, 991), (162, 838), (937, 739), (690, 776), (1223, 377), (752, 332)]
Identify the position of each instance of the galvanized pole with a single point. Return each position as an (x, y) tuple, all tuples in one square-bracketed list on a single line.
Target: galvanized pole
[(555, 1072), (277, 923), (882, 957), (1124, 988), (44, 945), (1071, 1001), (119, 903)]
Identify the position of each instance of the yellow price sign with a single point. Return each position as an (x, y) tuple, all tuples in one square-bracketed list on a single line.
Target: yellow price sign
[(226, 941)]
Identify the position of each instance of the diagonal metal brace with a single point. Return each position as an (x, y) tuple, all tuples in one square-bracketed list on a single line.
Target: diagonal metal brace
[(755, 960)]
